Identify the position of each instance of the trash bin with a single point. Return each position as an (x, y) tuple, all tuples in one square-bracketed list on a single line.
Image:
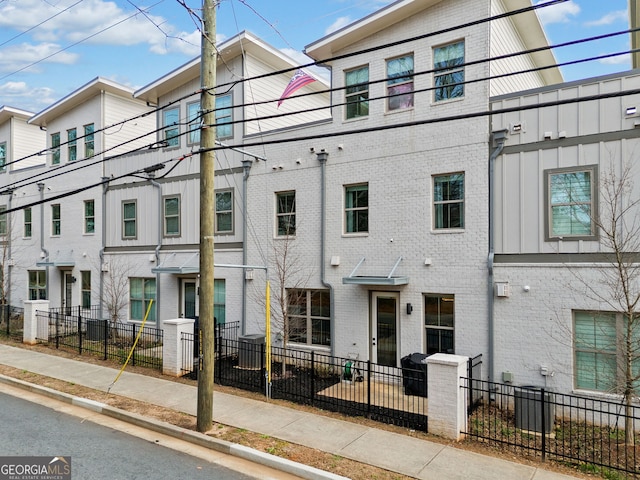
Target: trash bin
[(529, 406), (414, 374), (95, 330), (250, 351)]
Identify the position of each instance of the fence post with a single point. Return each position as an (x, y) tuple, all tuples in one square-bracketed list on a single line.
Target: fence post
[(544, 426), (30, 329), (173, 351), (368, 386), (106, 338), (313, 376), (133, 339), (447, 398), (79, 330), (57, 329)]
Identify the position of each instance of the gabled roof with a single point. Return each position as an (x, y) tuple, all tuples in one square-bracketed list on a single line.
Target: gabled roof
[(78, 97), (527, 25), (7, 113), (229, 49)]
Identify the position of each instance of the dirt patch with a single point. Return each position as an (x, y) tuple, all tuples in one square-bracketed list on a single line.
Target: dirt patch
[(297, 453)]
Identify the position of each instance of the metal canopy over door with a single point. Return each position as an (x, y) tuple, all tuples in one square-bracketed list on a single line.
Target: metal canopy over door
[(384, 328)]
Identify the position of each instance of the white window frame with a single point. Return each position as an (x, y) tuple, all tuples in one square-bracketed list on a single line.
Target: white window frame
[(89, 218), (442, 72), (447, 204), (220, 212), (55, 148), (72, 144), (171, 131), (352, 212), (28, 222), (285, 217), (3, 157), (56, 220), (128, 220), (302, 310), (404, 100), (353, 93), (89, 140), (166, 216)]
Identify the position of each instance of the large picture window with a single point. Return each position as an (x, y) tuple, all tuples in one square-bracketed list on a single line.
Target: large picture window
[(357, 92), (448, 76), (400, 82), (37, 285), (570, 203), (309, 316), (141, 292), (599, 340), (439, 312), (356, 208), (448, 201)]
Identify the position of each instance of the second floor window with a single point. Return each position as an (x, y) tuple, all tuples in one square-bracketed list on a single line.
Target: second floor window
[(55, 148), (27, 223), (3, 157), (286, 214), (72, 147), (571, 196), (448, 76), (129, 229), (448, 201), (356, 208), (89, 142), (170, 122), (55, 220), (224, 116), (3, 221), (195, 120), (400, 82), (172, 216), (357, 92), (89, 217), (224, 212)]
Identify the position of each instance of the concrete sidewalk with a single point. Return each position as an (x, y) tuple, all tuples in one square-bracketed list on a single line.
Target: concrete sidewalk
[(398, 453)]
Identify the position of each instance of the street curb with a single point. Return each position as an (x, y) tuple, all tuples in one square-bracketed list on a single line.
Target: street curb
[(222, 446)]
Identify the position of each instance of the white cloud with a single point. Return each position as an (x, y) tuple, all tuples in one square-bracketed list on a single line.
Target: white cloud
[(29, 98), (20, 56), (558, 13), (609, 18), (617, 60), (337, 25)]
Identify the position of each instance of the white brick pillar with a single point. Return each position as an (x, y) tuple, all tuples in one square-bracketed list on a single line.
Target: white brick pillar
[(172, 346), (447, 400), (30, 332)]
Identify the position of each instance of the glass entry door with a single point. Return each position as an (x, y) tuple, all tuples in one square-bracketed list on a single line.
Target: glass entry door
[(384, 328), (189, 298)]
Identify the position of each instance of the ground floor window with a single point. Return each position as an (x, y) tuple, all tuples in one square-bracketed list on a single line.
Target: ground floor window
[(439, 313), (86, 288), (599, 350), (219, 307), (309, 316), (141, 292), (37, 285)]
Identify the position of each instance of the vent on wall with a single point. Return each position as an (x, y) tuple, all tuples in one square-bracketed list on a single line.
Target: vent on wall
[(502, 289)]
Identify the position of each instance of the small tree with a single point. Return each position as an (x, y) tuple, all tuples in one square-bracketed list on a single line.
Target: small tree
[(115, 293), (618, 287)]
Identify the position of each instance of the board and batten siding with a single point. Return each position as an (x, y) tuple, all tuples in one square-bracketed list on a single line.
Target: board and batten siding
[(118, 138), (27, 140)]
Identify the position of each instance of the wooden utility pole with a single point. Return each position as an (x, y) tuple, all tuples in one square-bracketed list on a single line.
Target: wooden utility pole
[(634, 22), (208, 63)]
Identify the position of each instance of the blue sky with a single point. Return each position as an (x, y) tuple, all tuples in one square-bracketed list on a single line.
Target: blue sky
[(48, 48)]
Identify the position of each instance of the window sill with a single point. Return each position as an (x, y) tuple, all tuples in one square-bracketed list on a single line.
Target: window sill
[(355, 235), (355, 119), (398, 111), (447, 102), (444, 231)]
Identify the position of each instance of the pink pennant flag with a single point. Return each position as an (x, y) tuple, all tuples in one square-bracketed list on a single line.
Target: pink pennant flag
[(299, 80)]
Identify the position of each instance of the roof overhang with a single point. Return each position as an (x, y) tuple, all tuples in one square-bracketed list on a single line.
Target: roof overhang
[(386, 280), (171, 265), (62, 260)]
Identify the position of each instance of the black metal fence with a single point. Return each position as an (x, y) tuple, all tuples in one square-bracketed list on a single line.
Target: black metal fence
[(582, 431), (75, 328), (224, 332), (11, 321)]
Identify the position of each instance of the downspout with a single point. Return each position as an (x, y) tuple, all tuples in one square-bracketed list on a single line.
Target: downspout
[(43, 250), (158, 245), (498, 138), (322, 158), (105, 188), (9, 261), (246, 167)]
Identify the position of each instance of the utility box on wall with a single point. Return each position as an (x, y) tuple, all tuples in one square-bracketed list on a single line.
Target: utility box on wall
[(502, 289)]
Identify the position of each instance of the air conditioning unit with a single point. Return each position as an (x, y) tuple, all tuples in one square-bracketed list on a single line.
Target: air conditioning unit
[(502, 289)]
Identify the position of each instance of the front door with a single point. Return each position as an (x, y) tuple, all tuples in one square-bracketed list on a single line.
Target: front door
[(189, 298), (68, 292), (384, 328)]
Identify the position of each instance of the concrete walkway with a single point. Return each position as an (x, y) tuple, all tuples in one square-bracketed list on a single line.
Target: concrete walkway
[(399, 453)]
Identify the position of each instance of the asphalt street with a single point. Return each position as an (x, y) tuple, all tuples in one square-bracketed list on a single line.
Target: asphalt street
[(109, 451)]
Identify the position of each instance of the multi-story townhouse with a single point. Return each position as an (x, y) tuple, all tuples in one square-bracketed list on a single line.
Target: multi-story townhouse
[(153, 229), (559, 301), (56, 253), (20, 147), (385, 208)]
